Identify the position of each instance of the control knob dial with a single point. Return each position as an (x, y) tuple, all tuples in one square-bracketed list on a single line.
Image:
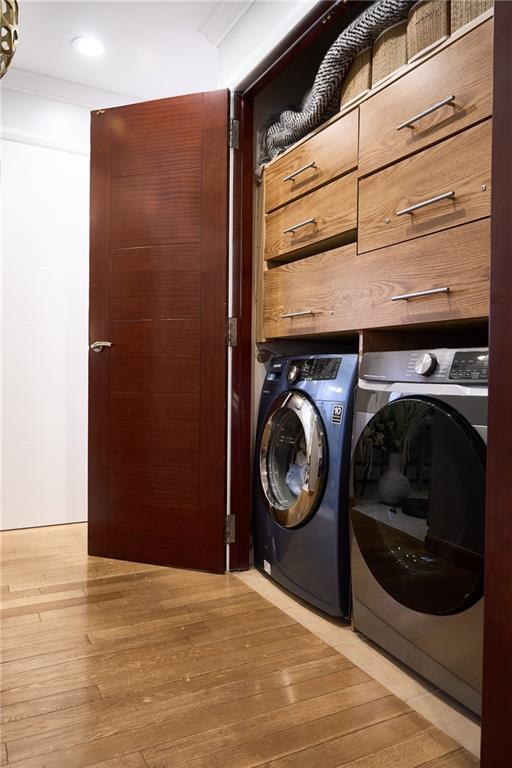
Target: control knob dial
[(293, 373), (426, 364)]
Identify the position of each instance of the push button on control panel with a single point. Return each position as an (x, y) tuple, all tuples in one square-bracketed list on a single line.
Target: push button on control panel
[(470, 366)]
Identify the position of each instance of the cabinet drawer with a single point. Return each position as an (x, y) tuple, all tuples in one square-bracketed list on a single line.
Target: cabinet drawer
[(310, 296), (461, 72), (441, 187), (320, 159), (328, 213), (457, 260)]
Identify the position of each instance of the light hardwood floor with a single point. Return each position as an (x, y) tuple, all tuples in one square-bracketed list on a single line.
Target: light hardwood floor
[(120, 665)]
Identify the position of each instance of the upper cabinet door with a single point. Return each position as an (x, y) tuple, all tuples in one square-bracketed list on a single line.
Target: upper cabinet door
[(159, 258)]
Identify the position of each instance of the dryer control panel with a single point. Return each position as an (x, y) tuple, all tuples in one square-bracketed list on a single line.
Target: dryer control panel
[(446, 366)]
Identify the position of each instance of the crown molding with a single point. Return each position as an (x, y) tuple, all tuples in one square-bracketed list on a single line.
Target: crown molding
[(63, 90), (21, 136), (223, 19)]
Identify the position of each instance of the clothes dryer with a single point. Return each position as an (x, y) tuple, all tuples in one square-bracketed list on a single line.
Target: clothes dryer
[(417, 503)]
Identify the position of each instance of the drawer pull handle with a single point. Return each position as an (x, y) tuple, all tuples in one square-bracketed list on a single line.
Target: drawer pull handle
[(304, 313), (291, 176), (419, 294), (424, 203), (409, 123), (299, 225)]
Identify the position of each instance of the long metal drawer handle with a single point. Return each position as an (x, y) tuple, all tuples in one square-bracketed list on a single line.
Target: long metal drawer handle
[(298, 314), (409, 123), (424, 203), (299, 225), (419, 294), (291, 176)]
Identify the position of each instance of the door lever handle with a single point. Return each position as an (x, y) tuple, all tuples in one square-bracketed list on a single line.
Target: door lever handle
[(97, 346)]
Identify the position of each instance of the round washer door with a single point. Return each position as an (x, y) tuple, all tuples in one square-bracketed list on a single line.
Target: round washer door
[(418, 505), (293, 459)]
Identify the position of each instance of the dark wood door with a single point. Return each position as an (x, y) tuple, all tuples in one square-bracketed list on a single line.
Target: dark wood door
[(158, 288)]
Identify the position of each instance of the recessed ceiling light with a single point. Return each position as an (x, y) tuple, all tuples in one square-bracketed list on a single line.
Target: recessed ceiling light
[(88, 46)]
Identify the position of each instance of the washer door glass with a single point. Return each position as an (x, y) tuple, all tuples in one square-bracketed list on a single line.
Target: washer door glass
[(418, 505), (292, 459)]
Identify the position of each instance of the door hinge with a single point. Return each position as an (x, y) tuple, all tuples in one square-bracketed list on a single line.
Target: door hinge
[(229, 529), (232, 332), (234, 133)]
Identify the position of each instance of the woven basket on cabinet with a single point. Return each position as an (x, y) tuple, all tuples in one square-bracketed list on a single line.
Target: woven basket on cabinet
[(463, 11), (389, 52), (427, 26), (357, 81)]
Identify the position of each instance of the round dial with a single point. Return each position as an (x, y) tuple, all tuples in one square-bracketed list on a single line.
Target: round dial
[(426, 364), (293, 373)]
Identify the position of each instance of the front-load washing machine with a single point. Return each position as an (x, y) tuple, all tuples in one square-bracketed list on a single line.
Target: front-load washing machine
[(302, 466), (417, 508)]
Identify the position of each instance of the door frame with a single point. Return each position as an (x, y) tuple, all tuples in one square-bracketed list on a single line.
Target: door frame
[(497, 700)]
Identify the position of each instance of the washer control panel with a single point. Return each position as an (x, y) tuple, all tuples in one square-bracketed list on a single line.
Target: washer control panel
[(314, 369), (472, 365)]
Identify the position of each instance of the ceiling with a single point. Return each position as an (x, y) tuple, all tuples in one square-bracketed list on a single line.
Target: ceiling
[(154, 49)]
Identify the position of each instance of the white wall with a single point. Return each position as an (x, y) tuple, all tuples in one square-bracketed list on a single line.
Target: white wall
[(45, 241), (259, 30)]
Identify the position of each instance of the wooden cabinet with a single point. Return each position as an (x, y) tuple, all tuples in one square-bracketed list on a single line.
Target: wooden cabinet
[(310, 296), (443, 186), (327, 216), (447, 274), (453, 263), (452, 90), (416, 209), (316, 161)]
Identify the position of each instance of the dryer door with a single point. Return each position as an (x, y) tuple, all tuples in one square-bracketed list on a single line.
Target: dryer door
[(418, 505), (293, 459)]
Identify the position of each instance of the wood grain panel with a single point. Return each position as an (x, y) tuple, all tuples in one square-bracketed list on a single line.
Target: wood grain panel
[(463, 69), (461, 164), (154, 484), (160, 420), (320, 284), (212, 676), (497, 672), (458, 258), (348, 292), (334, 209), (332, 150), (137, 148), (160, 258), (213, 353), (155, 209), (138, 295), (155, 356)]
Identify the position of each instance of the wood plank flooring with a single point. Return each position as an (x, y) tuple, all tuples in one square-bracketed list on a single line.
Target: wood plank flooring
[(110, 664)]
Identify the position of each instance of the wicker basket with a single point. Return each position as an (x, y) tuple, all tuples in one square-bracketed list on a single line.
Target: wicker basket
[(357, 81), (389, 52), (463, 11), (427, 26)]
